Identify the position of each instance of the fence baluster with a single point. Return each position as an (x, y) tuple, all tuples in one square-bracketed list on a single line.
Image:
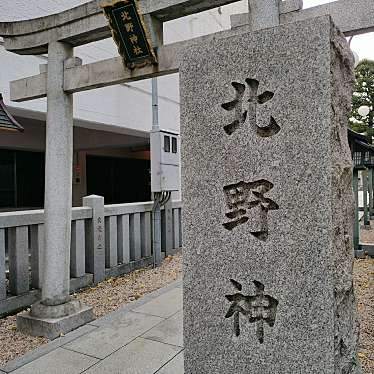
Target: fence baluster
[(135, 240), (180, 228), (176, 228), (123, 239), (77, 249), (18, 260), (111, 241), (146, 234), (2, 265), (36, 252)]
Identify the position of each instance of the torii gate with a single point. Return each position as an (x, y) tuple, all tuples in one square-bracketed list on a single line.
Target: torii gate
[(65, 75)]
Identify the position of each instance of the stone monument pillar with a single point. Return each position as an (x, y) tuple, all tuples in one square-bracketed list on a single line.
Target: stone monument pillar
[(56, 314), (268, 203)]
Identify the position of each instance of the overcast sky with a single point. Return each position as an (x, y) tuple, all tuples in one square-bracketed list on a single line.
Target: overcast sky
[(363, 45)]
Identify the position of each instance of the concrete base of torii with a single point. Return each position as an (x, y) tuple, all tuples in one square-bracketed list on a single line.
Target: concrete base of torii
[(53, 321)]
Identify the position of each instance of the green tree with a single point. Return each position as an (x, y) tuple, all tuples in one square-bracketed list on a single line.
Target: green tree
[(363, 95)]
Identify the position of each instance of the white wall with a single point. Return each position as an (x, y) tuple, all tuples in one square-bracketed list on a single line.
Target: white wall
[(14, 67), (203, 23), (129, 105)]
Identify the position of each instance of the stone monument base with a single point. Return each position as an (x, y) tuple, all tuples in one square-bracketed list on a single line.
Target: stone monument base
[(52, 321)]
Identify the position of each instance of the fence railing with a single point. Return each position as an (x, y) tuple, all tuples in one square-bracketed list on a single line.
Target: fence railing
[(106, 240)]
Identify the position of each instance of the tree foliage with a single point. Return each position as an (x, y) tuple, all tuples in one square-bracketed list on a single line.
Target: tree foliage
[(363, 95)]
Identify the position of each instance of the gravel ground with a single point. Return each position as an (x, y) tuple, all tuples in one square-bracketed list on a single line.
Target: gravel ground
[(367, 236), (364, 286), (109, 295)]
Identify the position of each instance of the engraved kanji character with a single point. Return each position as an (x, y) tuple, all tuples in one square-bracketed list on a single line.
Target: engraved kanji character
[(257, 308), (241, 197), (253, 100)]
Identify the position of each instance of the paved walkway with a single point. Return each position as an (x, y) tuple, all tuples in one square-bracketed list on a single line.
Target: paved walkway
[(144, 337)]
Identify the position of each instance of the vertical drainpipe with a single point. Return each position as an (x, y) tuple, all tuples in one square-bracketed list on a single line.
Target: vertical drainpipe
[(156, 220)]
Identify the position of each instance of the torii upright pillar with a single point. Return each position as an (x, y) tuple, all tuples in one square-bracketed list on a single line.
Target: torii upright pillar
[(58, 177), (56, 313)]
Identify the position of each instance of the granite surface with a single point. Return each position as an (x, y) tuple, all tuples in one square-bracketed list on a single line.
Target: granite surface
[(263, 14), (267, 198)]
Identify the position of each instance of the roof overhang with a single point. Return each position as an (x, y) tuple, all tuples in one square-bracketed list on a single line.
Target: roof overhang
[(7, 121)]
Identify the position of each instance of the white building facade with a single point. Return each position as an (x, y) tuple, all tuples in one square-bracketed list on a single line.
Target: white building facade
[(111, 125)]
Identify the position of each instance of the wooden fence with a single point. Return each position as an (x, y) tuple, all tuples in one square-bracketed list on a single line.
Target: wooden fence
[(124, 229)]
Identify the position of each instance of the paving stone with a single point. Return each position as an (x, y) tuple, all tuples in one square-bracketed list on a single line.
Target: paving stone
[(169, 331), (108, 334), (59, 361), (107, 339), (175, 366), (126, 318), (122, 311), (46, 348), (141, 356), (165, 305)]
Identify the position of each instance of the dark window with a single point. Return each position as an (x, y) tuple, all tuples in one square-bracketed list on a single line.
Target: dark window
[(174, 145), (21, 179), (7, 179), (30, 179), (119, 180), (167, 143)]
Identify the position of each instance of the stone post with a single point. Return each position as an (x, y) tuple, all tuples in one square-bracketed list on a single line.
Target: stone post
[(95, 238), (371, 196), (56, 314), (356, 223), (365, 199), (268, 202)]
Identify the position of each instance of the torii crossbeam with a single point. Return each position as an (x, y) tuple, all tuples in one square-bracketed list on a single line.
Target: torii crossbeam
[(86, 23)]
